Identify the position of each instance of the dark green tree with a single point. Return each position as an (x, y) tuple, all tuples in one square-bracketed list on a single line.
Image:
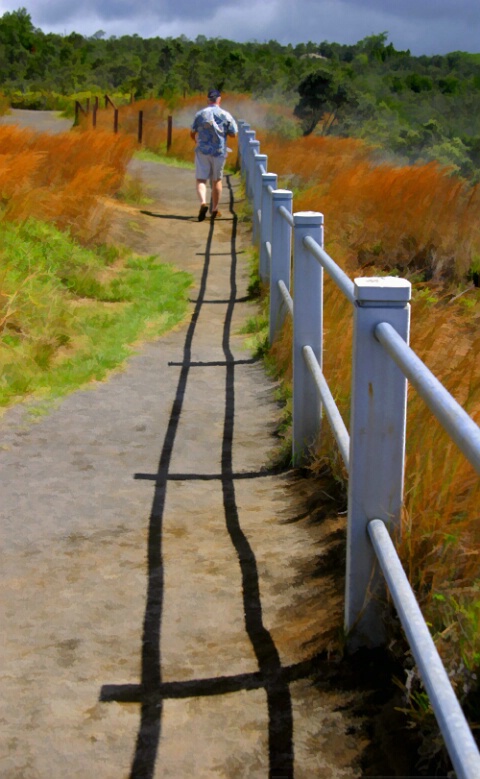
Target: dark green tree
[(322, 92)]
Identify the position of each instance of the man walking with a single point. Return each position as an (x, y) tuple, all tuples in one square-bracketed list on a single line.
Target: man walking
[(210, 129)]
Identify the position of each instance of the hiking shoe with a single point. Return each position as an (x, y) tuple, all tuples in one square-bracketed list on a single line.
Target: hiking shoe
[(203, 212), (216, 214)]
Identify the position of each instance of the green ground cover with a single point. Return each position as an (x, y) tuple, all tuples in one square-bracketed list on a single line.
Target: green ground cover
[(70, 314)]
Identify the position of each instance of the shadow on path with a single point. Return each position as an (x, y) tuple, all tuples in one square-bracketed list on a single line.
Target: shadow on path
[(151, 692), (180, 217)]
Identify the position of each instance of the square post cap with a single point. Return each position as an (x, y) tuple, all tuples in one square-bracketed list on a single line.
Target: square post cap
[(382, 290), (306, 218)]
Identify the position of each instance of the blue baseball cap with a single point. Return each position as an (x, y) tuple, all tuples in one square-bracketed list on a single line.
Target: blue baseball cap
[(213, 94)]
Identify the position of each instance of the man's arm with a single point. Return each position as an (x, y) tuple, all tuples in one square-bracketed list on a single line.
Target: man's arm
[(194, 128), (232, 126)]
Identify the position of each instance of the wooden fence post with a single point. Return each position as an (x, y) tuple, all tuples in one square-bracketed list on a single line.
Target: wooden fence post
[(78, 108), (169, 132), (115, 120), (140, 126)]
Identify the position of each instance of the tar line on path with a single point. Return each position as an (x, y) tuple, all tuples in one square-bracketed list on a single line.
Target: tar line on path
[(271, 676)]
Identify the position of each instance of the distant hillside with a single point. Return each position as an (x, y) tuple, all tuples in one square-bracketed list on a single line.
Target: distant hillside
[(413, 107)]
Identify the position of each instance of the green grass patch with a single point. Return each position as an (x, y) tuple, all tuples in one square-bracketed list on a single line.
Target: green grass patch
[(150, 156), (132, 192), (70, 314)]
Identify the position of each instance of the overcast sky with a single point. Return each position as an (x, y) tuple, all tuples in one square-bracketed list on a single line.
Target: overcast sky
[(423, 26)]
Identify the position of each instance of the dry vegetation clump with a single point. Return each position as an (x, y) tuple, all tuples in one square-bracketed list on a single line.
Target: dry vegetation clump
[(313, 159), (61, 178)]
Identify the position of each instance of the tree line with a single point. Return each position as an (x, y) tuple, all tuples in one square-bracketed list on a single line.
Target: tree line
[(414, 107)]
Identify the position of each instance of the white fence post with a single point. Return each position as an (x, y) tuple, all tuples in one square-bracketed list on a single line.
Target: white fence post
[(280, 266), (246, 136), (253, 148), (242, 139), (268, 180), (307, 330), (377, 448), (260, 166), (243, 126)]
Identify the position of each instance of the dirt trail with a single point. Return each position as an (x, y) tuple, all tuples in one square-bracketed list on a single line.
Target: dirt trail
[(165, 612), (41, 121)]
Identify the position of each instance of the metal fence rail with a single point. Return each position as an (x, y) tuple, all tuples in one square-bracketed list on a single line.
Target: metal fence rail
[(454, 419), (458, 738), (291, 251), (337, 424)]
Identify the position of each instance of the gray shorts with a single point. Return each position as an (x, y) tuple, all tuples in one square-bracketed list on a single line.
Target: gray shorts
[(208, 167)]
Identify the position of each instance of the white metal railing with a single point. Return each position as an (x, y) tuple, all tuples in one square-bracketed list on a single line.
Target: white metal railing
[(291, 245), (454, 419)]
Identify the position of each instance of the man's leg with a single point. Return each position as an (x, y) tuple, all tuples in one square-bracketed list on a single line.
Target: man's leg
[(202, 173), (202, 191), (217, 164), (216, 194), (202, 196)]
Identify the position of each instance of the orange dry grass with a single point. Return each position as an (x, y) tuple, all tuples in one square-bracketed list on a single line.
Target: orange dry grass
[(417, 218), (442, 535), (313, 159), (61, 178), (412, 217)]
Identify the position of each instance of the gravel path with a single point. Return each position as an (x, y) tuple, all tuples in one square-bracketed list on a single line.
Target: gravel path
[(160, 612)]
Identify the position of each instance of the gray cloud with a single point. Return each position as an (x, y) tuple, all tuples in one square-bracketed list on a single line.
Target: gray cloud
[(427, 10), (423, 26), (123, 12)]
